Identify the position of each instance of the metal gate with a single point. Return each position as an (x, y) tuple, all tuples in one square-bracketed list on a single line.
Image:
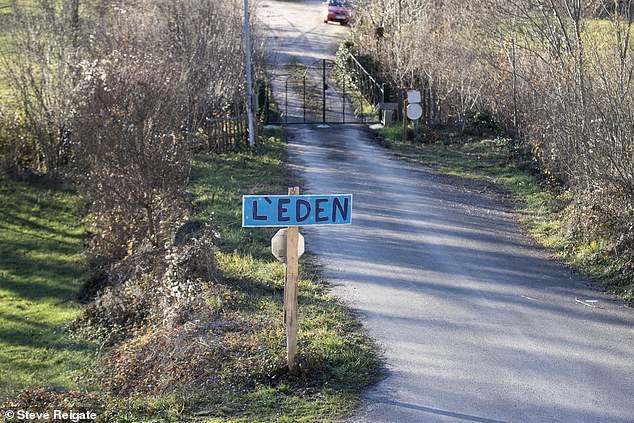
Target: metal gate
[(321, 92)]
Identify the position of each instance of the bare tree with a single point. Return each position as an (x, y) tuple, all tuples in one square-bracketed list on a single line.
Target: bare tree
[(123, 88), (40, 62), (170, 66), (555, 76), (135, 158)]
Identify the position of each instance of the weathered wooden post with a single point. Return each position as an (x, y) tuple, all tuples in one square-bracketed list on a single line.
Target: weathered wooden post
[(290, 291)]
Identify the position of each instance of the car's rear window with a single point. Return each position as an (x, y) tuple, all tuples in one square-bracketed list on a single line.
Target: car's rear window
[(338, 3)]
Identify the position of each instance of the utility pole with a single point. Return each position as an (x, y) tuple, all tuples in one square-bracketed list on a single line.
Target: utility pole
[(247, 37)]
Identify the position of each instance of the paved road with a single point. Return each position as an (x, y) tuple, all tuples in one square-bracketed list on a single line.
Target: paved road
[(477, 324), (298, 40)]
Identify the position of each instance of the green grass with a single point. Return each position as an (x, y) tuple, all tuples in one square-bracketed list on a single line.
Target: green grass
[(218, 183), (363, 109), (496, 163), (336, 359), (41, 240)]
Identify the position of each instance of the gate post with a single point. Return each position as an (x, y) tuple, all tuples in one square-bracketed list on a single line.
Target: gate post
[(267, 87), (343, 98), (304, 98), (323, 107)]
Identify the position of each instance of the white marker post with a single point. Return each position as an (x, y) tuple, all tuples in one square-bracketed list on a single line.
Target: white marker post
[(414, 109)]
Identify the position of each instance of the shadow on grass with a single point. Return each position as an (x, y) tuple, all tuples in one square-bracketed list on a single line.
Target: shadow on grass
[(29, 333), (41, 240)]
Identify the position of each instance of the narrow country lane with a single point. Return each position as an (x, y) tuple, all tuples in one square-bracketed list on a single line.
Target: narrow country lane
[(477, 324)]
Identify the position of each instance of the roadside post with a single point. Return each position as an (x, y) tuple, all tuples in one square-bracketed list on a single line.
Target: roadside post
[(287, 245), (414, 109)]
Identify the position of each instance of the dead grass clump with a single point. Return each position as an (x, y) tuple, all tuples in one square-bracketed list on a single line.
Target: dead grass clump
[(159, 318), (152, 287)]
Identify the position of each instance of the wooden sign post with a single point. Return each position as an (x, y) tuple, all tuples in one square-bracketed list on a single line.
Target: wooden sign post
[(290, 291), (291, 211)]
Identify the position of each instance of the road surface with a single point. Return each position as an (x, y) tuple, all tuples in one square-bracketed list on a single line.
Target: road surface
[(477, 323)]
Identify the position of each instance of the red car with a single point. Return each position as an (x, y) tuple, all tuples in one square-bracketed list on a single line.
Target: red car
[(337, 11)]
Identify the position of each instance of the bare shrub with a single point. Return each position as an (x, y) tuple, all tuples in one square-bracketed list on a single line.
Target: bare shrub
[(170, 65), (158, 298), (207, 38), (429, 46), (134, 157), (40, 59), (579, 79), (154, 287)]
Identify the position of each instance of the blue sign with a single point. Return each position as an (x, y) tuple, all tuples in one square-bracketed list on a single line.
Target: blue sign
[(296, 210)]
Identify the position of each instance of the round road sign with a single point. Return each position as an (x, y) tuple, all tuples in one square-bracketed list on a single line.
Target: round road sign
[(414, 111), (278, 245)]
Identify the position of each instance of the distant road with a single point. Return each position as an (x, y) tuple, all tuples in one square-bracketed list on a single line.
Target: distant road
[(477, 323)]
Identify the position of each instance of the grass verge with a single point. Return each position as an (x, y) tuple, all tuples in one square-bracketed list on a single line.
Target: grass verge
[(337, 360), (500, 163), (41, 240)]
